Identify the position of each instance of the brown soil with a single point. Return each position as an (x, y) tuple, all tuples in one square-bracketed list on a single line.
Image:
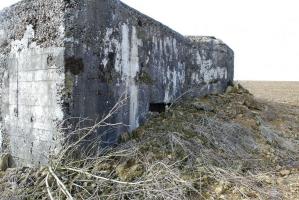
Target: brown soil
[(274, 91)]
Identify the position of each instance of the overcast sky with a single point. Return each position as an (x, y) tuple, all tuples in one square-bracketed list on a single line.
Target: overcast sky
[(263, 33)]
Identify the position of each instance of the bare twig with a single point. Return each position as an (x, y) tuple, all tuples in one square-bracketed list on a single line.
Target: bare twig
[(61, 185)]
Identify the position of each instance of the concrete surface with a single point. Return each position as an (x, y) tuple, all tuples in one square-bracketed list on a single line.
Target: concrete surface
[(68, 60)]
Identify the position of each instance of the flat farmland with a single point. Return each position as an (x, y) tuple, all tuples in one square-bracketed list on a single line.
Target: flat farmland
[(274, 91)]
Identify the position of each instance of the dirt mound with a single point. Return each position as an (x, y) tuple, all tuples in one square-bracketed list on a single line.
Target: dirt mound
[(226, 146)]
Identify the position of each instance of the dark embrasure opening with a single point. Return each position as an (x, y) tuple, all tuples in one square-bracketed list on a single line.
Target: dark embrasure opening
[(158, 107)]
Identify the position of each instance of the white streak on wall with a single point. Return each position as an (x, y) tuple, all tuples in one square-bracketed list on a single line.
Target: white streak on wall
[(208, 71), (161, 46), (134, 68), (125, 52), (182, 73), (155, 42), (109, 31), (129, 70), (175, 49), (2, 88), (3, 37), (212, 73), (167, 79), (61, 31), (174, 78), (198, 58), (195, 77), (111, 45), (1, 138)]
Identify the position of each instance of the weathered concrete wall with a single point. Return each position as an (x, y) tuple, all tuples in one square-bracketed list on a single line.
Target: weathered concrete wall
[(121, 50), (74, 59), (32, 75)]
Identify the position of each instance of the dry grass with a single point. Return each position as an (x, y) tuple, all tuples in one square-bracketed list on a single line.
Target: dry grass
[(215, 147), (279, 91)]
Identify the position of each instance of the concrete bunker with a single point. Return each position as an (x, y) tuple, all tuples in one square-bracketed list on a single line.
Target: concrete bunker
[(78, 58)]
